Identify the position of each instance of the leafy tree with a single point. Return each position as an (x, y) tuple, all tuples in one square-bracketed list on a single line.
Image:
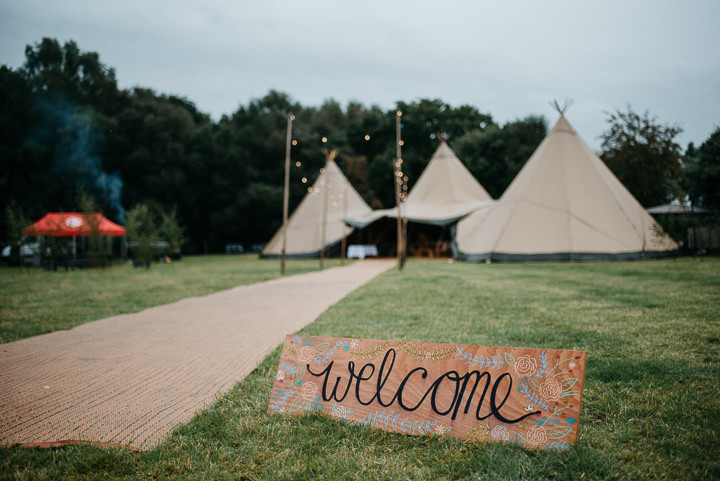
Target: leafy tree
[(248, 169), (143, 234), (65, 128), (495, 155), (644, 156), (22, 159), (98, 246), (15, 221), (368, 161), (423, 121), (704, 173), (161, 148), (172, 231), (64, 73), (152, 231), (54, 114)]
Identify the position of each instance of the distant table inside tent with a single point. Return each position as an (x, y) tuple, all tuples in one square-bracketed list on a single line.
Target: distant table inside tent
[(357, 251)]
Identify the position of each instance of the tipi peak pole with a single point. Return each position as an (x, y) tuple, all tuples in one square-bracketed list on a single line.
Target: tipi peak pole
[(566, 105), (330, 154), (443, 137)]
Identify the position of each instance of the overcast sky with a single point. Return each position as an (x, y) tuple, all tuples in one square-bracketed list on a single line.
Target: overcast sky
[(508, 58)]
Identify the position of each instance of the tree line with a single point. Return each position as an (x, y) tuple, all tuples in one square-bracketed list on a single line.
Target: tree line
[(67, 130)]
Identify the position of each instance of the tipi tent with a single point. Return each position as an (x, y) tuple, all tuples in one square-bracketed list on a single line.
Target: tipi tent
[(445, 192), (319, 220), (565, 204)]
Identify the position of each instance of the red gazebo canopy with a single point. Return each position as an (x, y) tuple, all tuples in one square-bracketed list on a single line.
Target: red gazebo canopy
[(67, 224)]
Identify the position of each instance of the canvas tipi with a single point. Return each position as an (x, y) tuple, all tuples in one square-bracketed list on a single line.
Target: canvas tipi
[(565, 204), (445, 192), (319, 220)]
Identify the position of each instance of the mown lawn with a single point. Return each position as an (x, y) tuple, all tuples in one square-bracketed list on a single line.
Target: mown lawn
[(651, 406)]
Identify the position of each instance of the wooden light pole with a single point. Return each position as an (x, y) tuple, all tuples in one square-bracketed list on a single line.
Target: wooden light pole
[(286, 193), (343, 243), (398, 184)]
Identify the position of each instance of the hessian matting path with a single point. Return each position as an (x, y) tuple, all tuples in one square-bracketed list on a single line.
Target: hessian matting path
[(129, 380)]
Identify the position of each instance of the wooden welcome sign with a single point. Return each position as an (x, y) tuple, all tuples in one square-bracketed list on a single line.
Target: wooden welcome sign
[(529, 397)]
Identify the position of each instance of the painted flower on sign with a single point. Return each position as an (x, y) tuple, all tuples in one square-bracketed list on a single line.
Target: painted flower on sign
[(551, 389), (525, 366), (308, 391), (500, 433), (354, 343), (536, 435), (339, 412), (440, 429), (306, 354), (280, 375)]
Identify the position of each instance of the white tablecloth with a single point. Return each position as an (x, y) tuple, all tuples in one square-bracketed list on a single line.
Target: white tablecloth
[(357, 251)]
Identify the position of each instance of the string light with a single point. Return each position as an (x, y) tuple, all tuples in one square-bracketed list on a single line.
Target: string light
[(367, 137), (294, 142), (324, 140), (304, 180), (310, 189), (298, 164)]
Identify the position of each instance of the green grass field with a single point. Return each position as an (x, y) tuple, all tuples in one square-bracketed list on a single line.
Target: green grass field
[(651, 405), (34, 301)]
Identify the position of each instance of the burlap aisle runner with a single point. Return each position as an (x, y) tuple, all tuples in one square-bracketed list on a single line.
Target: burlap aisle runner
[(131, 379)]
